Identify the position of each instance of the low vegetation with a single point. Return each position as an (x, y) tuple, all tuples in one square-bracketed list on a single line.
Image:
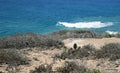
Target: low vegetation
[(29, 40), (69, 67), (107, 35), (63, 34), (111, 51), (78, 52), (12, 57), (43, 69), (46, 41)]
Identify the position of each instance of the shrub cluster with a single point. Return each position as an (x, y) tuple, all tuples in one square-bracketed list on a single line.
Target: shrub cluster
[(106, 35), (29, 40), (63, 34), (42, 69), (78, 52), (12, 57), (69, 67), (109, 51)]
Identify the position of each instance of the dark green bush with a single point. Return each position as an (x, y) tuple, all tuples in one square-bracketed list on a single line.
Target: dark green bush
[(75, 46), (29, 40), (111, 51), (12, 57)]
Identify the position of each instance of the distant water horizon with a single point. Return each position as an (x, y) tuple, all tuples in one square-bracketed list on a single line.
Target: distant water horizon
[(46, 16)]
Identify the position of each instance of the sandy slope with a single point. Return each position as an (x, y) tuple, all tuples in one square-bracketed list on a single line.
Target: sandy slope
[(92, 41), (46, 57)]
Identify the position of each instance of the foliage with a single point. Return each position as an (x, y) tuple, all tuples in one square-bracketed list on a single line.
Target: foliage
[(108, 35), (85, 51), (43, 69), (111, 51), (64, 34), (29, 40), (69, 67), (12, 57)]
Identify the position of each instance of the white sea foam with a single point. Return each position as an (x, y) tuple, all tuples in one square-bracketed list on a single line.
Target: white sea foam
[(111, 32), (94, 24)]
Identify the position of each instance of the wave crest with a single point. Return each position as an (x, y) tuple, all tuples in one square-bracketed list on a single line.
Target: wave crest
[(94, 24), (111, 32)]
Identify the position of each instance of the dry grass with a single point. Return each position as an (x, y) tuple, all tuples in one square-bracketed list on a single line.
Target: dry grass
[(64, 34), (69, 67), (12, 57), (77, 53), (29, 40), (111, 51)]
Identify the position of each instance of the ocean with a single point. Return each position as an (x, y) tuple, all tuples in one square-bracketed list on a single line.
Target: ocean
[(46, 16)]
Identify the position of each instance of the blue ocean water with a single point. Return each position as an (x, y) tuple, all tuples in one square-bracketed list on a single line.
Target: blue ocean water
[(46, 16)]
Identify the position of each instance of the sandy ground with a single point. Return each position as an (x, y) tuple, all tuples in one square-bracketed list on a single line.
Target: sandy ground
[(46, 57), (95, 42)]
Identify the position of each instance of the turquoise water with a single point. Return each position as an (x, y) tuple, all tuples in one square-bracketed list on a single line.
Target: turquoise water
[(46, 16)]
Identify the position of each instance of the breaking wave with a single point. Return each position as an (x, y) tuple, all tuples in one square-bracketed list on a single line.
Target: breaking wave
[(111, 32), (94, 24)]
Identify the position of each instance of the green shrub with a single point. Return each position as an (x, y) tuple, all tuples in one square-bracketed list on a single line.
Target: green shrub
[(92, 71), (108, 35), (111, 51), (12, 57)]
